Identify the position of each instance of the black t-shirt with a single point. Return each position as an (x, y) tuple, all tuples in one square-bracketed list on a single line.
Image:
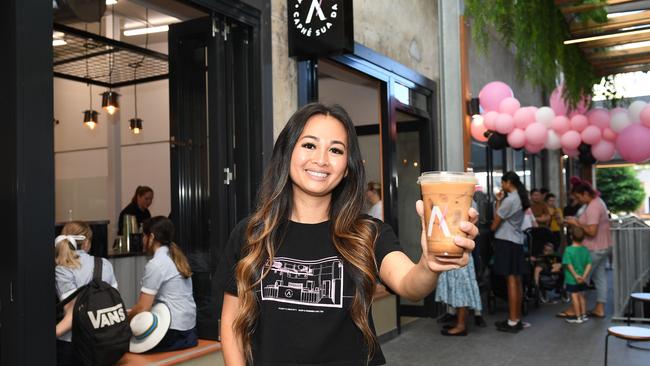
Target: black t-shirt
[(132, 209), (305, 299)]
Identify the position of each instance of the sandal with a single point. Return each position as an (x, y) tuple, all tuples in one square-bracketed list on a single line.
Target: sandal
[(562, 314), (594, 315)]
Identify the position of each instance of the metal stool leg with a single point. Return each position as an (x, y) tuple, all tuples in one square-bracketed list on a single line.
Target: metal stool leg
[(606, 345)]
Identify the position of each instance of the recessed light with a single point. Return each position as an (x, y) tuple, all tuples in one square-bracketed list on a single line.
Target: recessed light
[(140, 31)]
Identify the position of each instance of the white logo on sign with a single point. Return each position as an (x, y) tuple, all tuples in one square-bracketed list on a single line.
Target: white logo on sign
[(316, 23)]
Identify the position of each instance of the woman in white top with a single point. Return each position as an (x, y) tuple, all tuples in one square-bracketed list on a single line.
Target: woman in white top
[(168, 279), (74, 269), (373, 195)]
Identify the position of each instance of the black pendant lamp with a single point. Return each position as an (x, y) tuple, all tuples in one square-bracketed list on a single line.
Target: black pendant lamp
[(110, 101), (135, 123), (90, 115)]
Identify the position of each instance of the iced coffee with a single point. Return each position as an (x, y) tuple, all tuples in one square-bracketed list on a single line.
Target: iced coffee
[(447, 197)]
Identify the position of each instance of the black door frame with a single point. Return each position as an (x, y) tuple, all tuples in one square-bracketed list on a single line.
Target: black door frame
[(27, 185), (388, 72)]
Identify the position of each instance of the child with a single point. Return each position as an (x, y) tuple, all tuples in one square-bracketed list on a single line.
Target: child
[(548, 264), (577, 261)]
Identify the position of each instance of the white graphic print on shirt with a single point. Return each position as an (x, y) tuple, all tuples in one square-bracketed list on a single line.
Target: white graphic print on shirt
[(317, 283)]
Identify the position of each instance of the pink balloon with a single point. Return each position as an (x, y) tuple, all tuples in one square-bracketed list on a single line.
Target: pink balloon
[(489, 118), (579, 122), (574, 153), (603, 150), (561, 108), (534, 149), (504, 123), (524, 116), (570, 140), (560, 125), (591, 135), (598, 117), (609, 135), (536, 134), (645, 116), (617, 110), (633, 143), (492, 94), (509, 105), (517, 138), (477, 129)]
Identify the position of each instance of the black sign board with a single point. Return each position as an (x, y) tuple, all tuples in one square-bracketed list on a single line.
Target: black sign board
[(319, 28)]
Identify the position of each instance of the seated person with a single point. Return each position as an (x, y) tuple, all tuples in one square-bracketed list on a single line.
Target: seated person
[(167, 279), (548, 263)]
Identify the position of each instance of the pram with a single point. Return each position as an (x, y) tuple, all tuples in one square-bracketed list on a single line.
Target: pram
[(548, 280)]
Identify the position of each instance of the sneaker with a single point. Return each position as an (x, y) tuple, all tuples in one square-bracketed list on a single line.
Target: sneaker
[(543, 298), (574, 319), (503, 326), (584, 318)]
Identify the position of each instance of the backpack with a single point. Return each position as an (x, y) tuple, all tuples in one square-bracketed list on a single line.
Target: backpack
[(100, 330)]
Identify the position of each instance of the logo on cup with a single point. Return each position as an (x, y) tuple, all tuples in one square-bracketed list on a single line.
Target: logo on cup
[(436, 213)]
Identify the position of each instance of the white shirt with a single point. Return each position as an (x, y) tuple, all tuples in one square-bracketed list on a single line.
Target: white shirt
[(162, 279), (377, 211), (68, 280)]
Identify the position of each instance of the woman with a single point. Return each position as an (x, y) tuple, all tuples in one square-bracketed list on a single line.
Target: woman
[(594, 221), (557, 220), (74, 269), (167, 279), (139, 207), (511, 204), (373, 195), (301, 271)]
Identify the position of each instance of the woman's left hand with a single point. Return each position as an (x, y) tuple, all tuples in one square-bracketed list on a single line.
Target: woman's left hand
[(442, 264)]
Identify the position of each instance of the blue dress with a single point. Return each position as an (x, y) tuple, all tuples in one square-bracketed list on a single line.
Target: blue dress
[(458, 288)]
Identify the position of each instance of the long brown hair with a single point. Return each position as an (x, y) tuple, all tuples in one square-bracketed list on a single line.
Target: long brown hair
[(139, 192), (162, 229), (353, 236), (64, 253)]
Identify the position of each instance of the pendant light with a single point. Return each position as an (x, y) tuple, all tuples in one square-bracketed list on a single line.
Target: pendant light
[(135, 124), (110, 99), (90, 115)]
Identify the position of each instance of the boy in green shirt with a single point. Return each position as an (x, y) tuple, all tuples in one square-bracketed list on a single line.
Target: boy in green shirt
[(577, 265)]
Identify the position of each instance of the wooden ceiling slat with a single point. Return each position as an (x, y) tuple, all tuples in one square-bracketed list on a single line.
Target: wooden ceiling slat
[(622, 69), (606, 64), (586, 7), (625, 21), (615, 41), (619, 53)]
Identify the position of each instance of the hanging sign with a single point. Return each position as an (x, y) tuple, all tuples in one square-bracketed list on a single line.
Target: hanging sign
[(319, 28)]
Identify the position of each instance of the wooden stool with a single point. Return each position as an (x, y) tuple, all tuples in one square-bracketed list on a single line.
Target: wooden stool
[(627, 333), (636, 296)]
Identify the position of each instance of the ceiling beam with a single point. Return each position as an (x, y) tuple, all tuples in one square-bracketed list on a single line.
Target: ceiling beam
[(602, 55), (625, 21), (615, 41), (608, 64), (586, 7), (620, 70)]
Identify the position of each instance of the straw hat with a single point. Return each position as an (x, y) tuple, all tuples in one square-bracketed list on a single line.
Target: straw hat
[(149, 328)]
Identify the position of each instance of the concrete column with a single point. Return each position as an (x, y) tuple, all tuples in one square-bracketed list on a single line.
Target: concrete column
[(450, 130), (554, 171), (114, 148)]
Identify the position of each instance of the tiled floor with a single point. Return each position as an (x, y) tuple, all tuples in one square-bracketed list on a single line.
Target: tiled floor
[(548, 341)]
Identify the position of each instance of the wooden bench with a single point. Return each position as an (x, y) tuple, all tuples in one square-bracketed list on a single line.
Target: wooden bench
[(205, 353)]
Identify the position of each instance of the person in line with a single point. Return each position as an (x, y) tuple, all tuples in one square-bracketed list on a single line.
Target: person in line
[(138, 207), (598, 239), (300, 272), (556, 221), (74, 269), (373, 195), (511, 205), (577, 265), (549, 263), (168, 279), (539, 208)]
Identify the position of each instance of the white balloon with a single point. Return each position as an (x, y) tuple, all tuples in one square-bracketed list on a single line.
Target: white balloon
[(635, 110), (545, 115), (552, 141), (619, 121)]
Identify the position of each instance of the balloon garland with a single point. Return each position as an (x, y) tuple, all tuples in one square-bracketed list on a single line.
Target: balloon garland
[(589, 135)]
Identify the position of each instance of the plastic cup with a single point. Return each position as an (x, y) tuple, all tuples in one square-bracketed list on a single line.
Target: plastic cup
[(447, 197)]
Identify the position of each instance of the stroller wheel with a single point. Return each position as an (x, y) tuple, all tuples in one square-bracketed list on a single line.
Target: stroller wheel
[(491, 304), (524, 307)]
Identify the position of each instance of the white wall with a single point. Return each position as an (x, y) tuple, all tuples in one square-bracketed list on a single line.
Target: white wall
[(82, 156)]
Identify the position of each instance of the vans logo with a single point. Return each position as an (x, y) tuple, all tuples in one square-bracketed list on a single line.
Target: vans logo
[(107, 317)]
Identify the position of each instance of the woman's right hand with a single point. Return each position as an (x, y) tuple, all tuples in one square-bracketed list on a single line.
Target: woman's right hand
[(500, 195)]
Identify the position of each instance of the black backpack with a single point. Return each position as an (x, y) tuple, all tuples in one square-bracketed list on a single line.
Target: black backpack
[(100, 328)]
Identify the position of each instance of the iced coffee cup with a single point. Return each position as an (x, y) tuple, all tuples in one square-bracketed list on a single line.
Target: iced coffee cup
[(447, 197)]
